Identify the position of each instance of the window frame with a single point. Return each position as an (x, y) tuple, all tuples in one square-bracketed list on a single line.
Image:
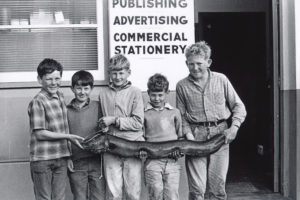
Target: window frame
[(29, 79)]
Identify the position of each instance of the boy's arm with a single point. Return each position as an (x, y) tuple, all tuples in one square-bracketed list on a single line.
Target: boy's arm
[(180, 104), (134, 122), (49, 135), (238, 110), (178, 124)]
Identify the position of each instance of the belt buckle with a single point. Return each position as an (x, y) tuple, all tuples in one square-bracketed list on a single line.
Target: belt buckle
[(210, 124)]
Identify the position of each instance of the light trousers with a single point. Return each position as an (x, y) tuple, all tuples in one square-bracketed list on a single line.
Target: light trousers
[(123, 177), (208, 174)]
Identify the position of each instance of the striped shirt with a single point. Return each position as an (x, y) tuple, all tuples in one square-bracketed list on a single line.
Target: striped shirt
[(126, 104), (48, 112), (162, 125), (217, 101)]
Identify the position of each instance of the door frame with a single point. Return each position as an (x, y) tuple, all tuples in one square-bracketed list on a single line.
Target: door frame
[(277, 174)]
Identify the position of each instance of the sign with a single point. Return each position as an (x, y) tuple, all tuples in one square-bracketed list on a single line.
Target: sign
[(153, 35)]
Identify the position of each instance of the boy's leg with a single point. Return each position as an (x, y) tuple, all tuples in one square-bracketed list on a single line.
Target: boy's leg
[(41, 176), (218, 167), (154, 179), (196, 167), (196, 175), (79, 179), (114, 176), (171, 179), (96, 182), (217, 171), (59, 178), (132, 176)]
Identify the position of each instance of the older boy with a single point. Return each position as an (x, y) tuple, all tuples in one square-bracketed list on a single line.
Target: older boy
[(206, 101), (49, 146), (83, 114), (122, 107), (162, 123)]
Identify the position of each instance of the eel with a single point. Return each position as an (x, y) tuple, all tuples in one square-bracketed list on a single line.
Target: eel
[(102, 142)]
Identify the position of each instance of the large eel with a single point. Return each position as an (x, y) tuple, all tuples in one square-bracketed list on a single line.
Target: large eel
[(101, 142)]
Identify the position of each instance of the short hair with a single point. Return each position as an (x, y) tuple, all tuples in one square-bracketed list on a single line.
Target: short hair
[(158, 83), (82, 78), (200, 48), (47, 66), (118, 62)]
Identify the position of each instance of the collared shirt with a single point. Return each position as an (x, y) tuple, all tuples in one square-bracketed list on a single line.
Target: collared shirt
[(217, 101), (48, 112), (125, 103), (83, 122), (162, 124)]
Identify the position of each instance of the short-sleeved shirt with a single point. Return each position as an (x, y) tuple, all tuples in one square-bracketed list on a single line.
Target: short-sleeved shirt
[(48, 112), (216, 101), (163, 124)]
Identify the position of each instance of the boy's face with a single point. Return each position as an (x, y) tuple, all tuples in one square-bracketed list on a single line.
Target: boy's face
[(51, 82), (157, 99), (198, 66), (82, 93), (119, 77)]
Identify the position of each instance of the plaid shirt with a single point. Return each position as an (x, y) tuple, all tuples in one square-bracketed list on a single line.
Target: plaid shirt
[(48, 113), (215, 102), (126, 103)]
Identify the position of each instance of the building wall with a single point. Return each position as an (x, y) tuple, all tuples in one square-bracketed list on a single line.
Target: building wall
[(15, 182), (290, 97)]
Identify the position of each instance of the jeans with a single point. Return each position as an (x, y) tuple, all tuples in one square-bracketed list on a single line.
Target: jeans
[(123, 176), (49, 178), (86, 181), (210, 171), (162, 179)]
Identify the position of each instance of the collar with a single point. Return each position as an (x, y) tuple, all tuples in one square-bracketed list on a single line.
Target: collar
[(73, 104), (48, 95), (166, 106), (124, 86)]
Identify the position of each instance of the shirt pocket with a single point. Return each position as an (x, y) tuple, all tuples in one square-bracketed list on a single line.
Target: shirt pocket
[(219, 98)]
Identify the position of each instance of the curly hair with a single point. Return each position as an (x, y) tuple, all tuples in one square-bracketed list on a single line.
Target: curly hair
[(200, 48), (158, 83)]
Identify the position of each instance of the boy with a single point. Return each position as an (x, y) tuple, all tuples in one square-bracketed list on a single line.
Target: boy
[(122, 107), (206, 101), (83, 114), (49, 146), (162, 123)]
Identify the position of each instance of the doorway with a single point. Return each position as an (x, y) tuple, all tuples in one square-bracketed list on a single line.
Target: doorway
[(239, 43)]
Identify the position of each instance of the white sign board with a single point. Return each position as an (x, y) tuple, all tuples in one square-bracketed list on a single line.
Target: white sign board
[(153, 36)]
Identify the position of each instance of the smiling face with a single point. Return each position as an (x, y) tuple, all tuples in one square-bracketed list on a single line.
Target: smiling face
[(51, 82), (119, 77), (198, 66), (82, 93), (157, 99)]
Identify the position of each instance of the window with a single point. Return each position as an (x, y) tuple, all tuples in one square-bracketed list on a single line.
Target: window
[(70, 31)]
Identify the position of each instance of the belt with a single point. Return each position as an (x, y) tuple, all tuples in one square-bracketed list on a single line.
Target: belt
[(209, 124)]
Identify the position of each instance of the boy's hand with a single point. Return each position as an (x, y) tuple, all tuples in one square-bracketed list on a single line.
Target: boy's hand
[(76, 139), (143, 155), (176, 154), (106, 121), (70, 165), (190, 136), (230, 134)]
